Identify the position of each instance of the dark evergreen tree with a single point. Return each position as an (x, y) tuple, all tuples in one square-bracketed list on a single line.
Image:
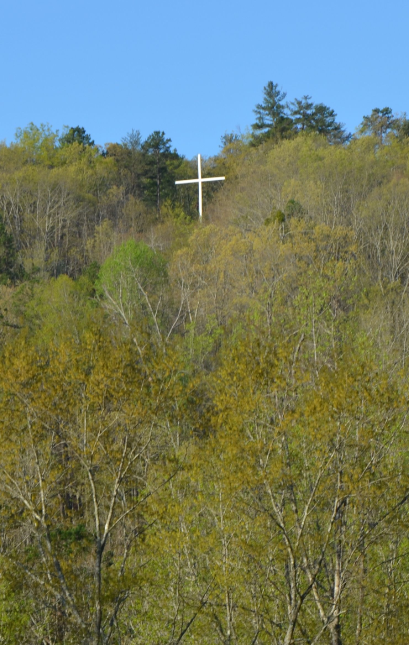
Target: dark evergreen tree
[(324, 122), (160, 163), (273, 121), (302, 111), (10, 269), (310, 117), (76, 135)]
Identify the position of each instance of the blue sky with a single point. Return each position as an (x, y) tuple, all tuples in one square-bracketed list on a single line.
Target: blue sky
[(195, 70)]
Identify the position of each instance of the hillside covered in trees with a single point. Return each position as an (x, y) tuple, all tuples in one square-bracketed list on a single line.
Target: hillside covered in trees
[(204, 427)]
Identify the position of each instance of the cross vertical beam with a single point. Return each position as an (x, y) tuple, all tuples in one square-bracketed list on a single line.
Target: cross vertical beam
[(199, 175), (200, 181)]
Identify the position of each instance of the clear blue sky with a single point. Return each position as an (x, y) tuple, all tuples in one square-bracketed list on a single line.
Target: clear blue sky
[(195, 70)]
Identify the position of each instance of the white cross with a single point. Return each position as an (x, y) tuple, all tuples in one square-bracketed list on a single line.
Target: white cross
[(199, 181)]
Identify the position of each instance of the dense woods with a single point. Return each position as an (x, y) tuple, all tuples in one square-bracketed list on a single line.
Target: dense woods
[(204, 427)]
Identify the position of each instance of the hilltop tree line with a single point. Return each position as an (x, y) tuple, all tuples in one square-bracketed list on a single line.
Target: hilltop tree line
[(204, 427), (277, 120), (64, 199)]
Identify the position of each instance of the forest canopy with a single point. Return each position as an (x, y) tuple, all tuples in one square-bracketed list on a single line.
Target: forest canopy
[(204, 425)]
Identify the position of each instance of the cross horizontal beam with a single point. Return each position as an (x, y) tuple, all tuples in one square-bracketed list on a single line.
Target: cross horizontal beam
[(195, 181)]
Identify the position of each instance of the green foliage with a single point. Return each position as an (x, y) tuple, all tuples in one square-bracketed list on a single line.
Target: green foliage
[(229, 141), (131, 283), (379, 123), (15, 610), (160, 163), (277, 120), (38, 143), (204, 427), (402, 127), (319, 118), (72, 541), (272, 120), (10, 269), (128, 260), (75, 135), (60, 308), (133, 140)]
